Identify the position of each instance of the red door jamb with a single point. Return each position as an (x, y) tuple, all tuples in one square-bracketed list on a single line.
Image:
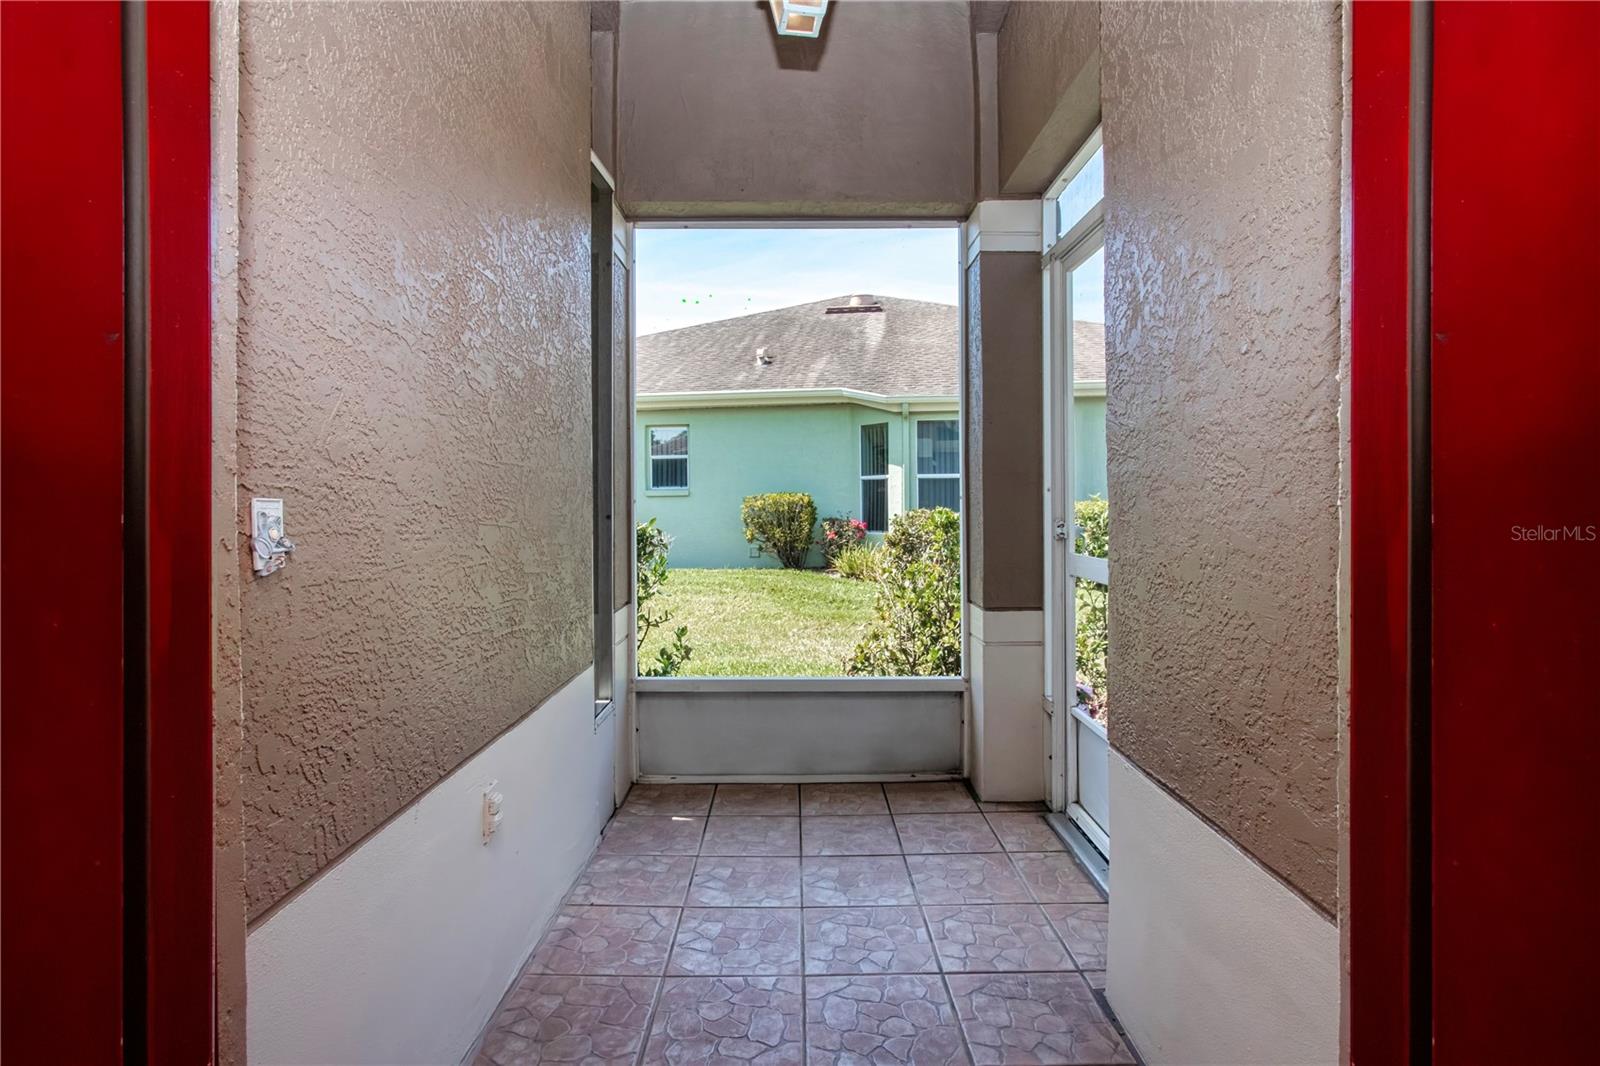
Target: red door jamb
[(179, 897), (1378, 991)]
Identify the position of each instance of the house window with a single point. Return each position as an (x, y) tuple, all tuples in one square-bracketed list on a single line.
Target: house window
[(669, 458), (939, 463), (875, 476)]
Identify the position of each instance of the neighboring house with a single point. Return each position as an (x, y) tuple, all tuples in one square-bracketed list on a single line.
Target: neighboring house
[(853, 400)]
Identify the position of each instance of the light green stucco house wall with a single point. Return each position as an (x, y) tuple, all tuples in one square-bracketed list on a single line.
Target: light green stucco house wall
[(736, 452)]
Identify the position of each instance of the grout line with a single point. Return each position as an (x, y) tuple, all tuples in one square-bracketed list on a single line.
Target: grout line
[(661, 983)]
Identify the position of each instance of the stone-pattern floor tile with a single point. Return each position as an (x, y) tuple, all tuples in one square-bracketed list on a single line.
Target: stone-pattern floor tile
[(751, 835), (652, 834), (879, 1021), (851, 835), (844, 798), (634, 880), (751, 941), (620, 941), (757, 799), (931, 834), (745, 881), (1024, 832), (597, 1021), (668, 799), (1003, 806), (952, 879), (1083, 927), (1096, 979), (997, 937), (929, 797), (1034, 1018), (1056, 878), (867, 940), (854, 880), (727, 1021)]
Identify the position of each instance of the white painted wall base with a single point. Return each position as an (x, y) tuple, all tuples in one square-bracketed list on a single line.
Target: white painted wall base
[(1212, 960), (622, 673), (400, 952), (1009, 733)]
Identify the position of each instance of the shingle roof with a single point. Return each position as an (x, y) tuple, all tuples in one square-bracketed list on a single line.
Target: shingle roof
[(1088, 351), (910, 348)]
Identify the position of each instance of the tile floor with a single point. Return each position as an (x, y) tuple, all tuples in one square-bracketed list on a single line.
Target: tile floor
[(817, 925)]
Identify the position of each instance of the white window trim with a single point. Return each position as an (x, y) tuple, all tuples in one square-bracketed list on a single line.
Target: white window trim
[(1053, 236), (651, 458), (861, 431), (917, 462)]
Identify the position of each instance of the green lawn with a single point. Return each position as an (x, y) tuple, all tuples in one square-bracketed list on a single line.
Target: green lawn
[(765, 623)]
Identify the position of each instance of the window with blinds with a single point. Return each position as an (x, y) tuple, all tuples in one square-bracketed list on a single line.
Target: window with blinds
[(875, 476), (669, 458), (939, 464)]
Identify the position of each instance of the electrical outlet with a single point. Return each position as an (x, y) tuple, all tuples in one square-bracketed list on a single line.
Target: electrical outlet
[(492, 802)]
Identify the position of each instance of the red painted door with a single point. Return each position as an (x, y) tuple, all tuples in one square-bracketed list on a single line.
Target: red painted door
[(107, 924), (1516, 538), (61, 488)]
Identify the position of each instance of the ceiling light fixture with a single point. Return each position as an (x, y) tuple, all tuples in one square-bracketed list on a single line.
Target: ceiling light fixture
[(798, 18)]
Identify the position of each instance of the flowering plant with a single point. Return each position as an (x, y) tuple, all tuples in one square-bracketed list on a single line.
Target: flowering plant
[(839, 533)]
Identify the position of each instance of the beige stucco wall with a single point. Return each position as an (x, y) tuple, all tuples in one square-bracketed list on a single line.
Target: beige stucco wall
[(1222, 143), (1049, 89), (717, 116), (413, 380)]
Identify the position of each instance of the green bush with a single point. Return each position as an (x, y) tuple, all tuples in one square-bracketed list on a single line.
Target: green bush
[(1093, 519), (780, 524), (651, 545), (916, 631), (859, 562)]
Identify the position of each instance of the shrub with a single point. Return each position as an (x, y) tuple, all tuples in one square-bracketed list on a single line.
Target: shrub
[(780, 523), (859, 562), (838, 534), (916, 631), (1093, 519), (651, 545)]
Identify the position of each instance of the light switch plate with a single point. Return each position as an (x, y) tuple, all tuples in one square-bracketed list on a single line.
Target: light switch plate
[(266, 513)]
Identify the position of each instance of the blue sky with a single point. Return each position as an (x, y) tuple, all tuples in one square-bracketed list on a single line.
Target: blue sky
[(688, 276)]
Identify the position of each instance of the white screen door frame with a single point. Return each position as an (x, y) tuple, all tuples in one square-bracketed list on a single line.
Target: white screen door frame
[(1078, 745)]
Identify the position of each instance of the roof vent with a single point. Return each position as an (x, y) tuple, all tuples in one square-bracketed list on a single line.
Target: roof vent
[(855, 305), (763, 357)]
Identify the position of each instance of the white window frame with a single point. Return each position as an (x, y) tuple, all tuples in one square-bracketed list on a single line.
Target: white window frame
[(1090, 220), (917, 460), (861, 431), (651, 459)]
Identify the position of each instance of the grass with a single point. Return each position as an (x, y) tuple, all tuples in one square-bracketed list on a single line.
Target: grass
[(765, 623)]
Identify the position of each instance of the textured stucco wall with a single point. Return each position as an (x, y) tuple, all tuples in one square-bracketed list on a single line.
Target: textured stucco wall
[(718, 116), (1004, 438), (1049, 82), (1222, 134), (414, 381)]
